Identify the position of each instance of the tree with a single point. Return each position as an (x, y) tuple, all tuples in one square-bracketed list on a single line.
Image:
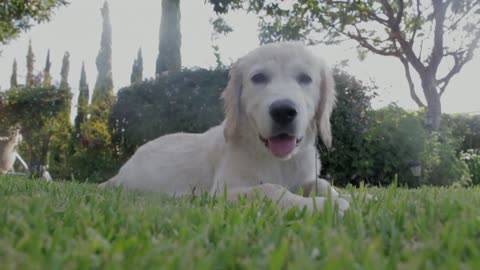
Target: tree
[(93, 161), (19, 16), (30, 62), (60, 129), (103, 99), (137, 68), (82, 102), (47, 79), (169, 57), (422, 35), (13, 78), (64, 71)]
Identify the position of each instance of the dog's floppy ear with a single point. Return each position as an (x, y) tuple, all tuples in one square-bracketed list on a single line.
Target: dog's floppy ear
[(325, 105), (231, 98)]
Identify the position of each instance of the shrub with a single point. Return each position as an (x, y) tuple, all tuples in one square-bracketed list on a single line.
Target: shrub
[(350, 121), (394, 142), (465, 127), (398, 140), (185, 101), (442, 165), (472, 158), (93, 158)]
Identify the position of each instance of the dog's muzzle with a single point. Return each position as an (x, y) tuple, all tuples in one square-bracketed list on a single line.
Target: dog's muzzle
[(283, 140)]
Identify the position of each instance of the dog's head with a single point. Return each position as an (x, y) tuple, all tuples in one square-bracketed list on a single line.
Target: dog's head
[(284, 93)]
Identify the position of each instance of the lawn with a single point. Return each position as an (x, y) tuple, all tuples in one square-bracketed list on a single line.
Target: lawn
[(78, 226)]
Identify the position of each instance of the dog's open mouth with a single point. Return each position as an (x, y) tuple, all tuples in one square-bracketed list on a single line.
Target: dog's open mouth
[(282, 144)]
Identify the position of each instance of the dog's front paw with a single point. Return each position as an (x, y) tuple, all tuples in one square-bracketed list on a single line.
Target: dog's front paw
[(340, 204), (343, 205)]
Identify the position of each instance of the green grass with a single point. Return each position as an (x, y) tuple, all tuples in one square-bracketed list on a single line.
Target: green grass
[(77, 226)]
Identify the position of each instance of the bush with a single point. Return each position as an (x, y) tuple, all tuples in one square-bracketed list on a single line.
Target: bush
[(472, 158), (465, 127), (397, 141), (442, 165), (185, 101), (350, 121)]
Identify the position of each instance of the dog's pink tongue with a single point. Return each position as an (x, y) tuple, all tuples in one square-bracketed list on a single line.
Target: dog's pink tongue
[(281, 145)]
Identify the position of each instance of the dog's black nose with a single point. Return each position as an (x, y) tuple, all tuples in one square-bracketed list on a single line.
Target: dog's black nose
[(283, 111)]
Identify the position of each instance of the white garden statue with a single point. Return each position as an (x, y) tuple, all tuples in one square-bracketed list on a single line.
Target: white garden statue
[(8, 149)]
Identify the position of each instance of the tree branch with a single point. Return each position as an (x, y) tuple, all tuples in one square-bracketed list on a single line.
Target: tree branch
[(411, 85), (460, 58), (364, 43), (454, 25), (415, 29), (401, 7), (407, 49)]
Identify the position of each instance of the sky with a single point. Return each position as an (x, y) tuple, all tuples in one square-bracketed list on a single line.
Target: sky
[(135, 24)]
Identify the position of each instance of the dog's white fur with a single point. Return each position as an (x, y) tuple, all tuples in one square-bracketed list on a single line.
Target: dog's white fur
[(232, 154)]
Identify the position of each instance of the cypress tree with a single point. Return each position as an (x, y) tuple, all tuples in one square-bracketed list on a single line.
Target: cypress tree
[(30, 62), (64, 71), (137, 68), (47, 79), (13, 78), (61, 128), (82, 102), (102, 99), (169, 58)]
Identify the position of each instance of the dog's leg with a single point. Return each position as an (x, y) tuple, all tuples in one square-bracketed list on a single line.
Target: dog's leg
[(321, 187), (286, 199)]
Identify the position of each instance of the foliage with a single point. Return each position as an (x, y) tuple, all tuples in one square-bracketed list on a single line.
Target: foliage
[(350, 121), (72, 225), (30, 62), (59, 155), (220, 28), (31, 107), (103, 97), (18, 16), (93, 158), (442, 165), (82, 102), (61, 130), (187, 101), (397, 141), (13, 77), (466, 127), (137, 68), (472, 158), (64, 70), (47, 79), (169, 57), (35, 110)]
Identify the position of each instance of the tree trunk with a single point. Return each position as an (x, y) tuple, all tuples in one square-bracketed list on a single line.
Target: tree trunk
[(169, 58), (434, 106)]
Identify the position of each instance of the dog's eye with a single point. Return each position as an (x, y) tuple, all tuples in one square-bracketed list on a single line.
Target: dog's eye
[(304, 79), (259, 78)]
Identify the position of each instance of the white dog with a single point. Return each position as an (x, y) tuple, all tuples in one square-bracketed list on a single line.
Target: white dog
[(279, 97)]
